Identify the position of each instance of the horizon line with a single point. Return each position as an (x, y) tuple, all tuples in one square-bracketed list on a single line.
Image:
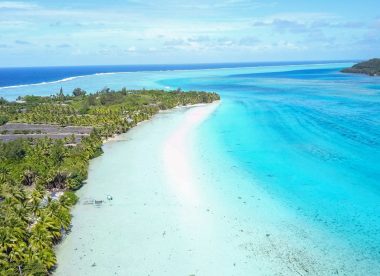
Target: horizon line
[(178, 64)]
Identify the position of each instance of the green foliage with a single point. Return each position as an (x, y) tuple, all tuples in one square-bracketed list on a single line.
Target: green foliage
[(14, 150), (68, 199), (77, 92), (370, 67), (3, 101), (3, 119), (33, 172)]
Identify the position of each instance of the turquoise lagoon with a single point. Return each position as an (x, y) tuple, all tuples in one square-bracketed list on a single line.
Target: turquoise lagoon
[(288, 163)]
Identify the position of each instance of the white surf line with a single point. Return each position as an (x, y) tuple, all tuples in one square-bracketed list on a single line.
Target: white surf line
[(168, 70)]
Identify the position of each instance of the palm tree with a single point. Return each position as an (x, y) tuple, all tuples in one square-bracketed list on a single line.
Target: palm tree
[(34, 267), (29, 229), (28, 177)]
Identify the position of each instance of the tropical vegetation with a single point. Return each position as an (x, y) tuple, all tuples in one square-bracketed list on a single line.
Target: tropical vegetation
[(38, 177), (370, 67)]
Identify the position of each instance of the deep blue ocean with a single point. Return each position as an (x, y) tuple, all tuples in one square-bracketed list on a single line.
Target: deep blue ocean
[(308, 134), (33, 75)]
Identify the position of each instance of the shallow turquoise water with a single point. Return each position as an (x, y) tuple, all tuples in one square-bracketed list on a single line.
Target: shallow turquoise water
[(307, 135), (311, 138)]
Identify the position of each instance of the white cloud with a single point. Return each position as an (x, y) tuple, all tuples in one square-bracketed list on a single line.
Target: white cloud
[(15, 5), (168, 28), (226, 4)]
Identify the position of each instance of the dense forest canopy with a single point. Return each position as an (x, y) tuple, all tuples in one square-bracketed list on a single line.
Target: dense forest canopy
[(40, 172)]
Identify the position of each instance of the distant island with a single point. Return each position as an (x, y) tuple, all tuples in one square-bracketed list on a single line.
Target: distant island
[(370, 67), (46, 144)]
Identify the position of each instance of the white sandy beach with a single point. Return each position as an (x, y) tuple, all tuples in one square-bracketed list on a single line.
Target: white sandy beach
[(178, 211), (177, 150), (147, 171)]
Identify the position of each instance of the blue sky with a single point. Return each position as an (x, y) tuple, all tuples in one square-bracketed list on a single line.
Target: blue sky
[(41, 32)]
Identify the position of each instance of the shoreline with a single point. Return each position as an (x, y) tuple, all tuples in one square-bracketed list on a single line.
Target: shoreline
[(182, 208), (175, 219), (117, 137), (64, 163), (176, 154), (199, 112)]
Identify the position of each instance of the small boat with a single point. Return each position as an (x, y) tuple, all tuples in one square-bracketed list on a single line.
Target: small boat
[(88, 201), (109, 197), (98, 201)]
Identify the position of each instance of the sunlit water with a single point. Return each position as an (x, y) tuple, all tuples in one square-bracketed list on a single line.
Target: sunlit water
[(289, 163)]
